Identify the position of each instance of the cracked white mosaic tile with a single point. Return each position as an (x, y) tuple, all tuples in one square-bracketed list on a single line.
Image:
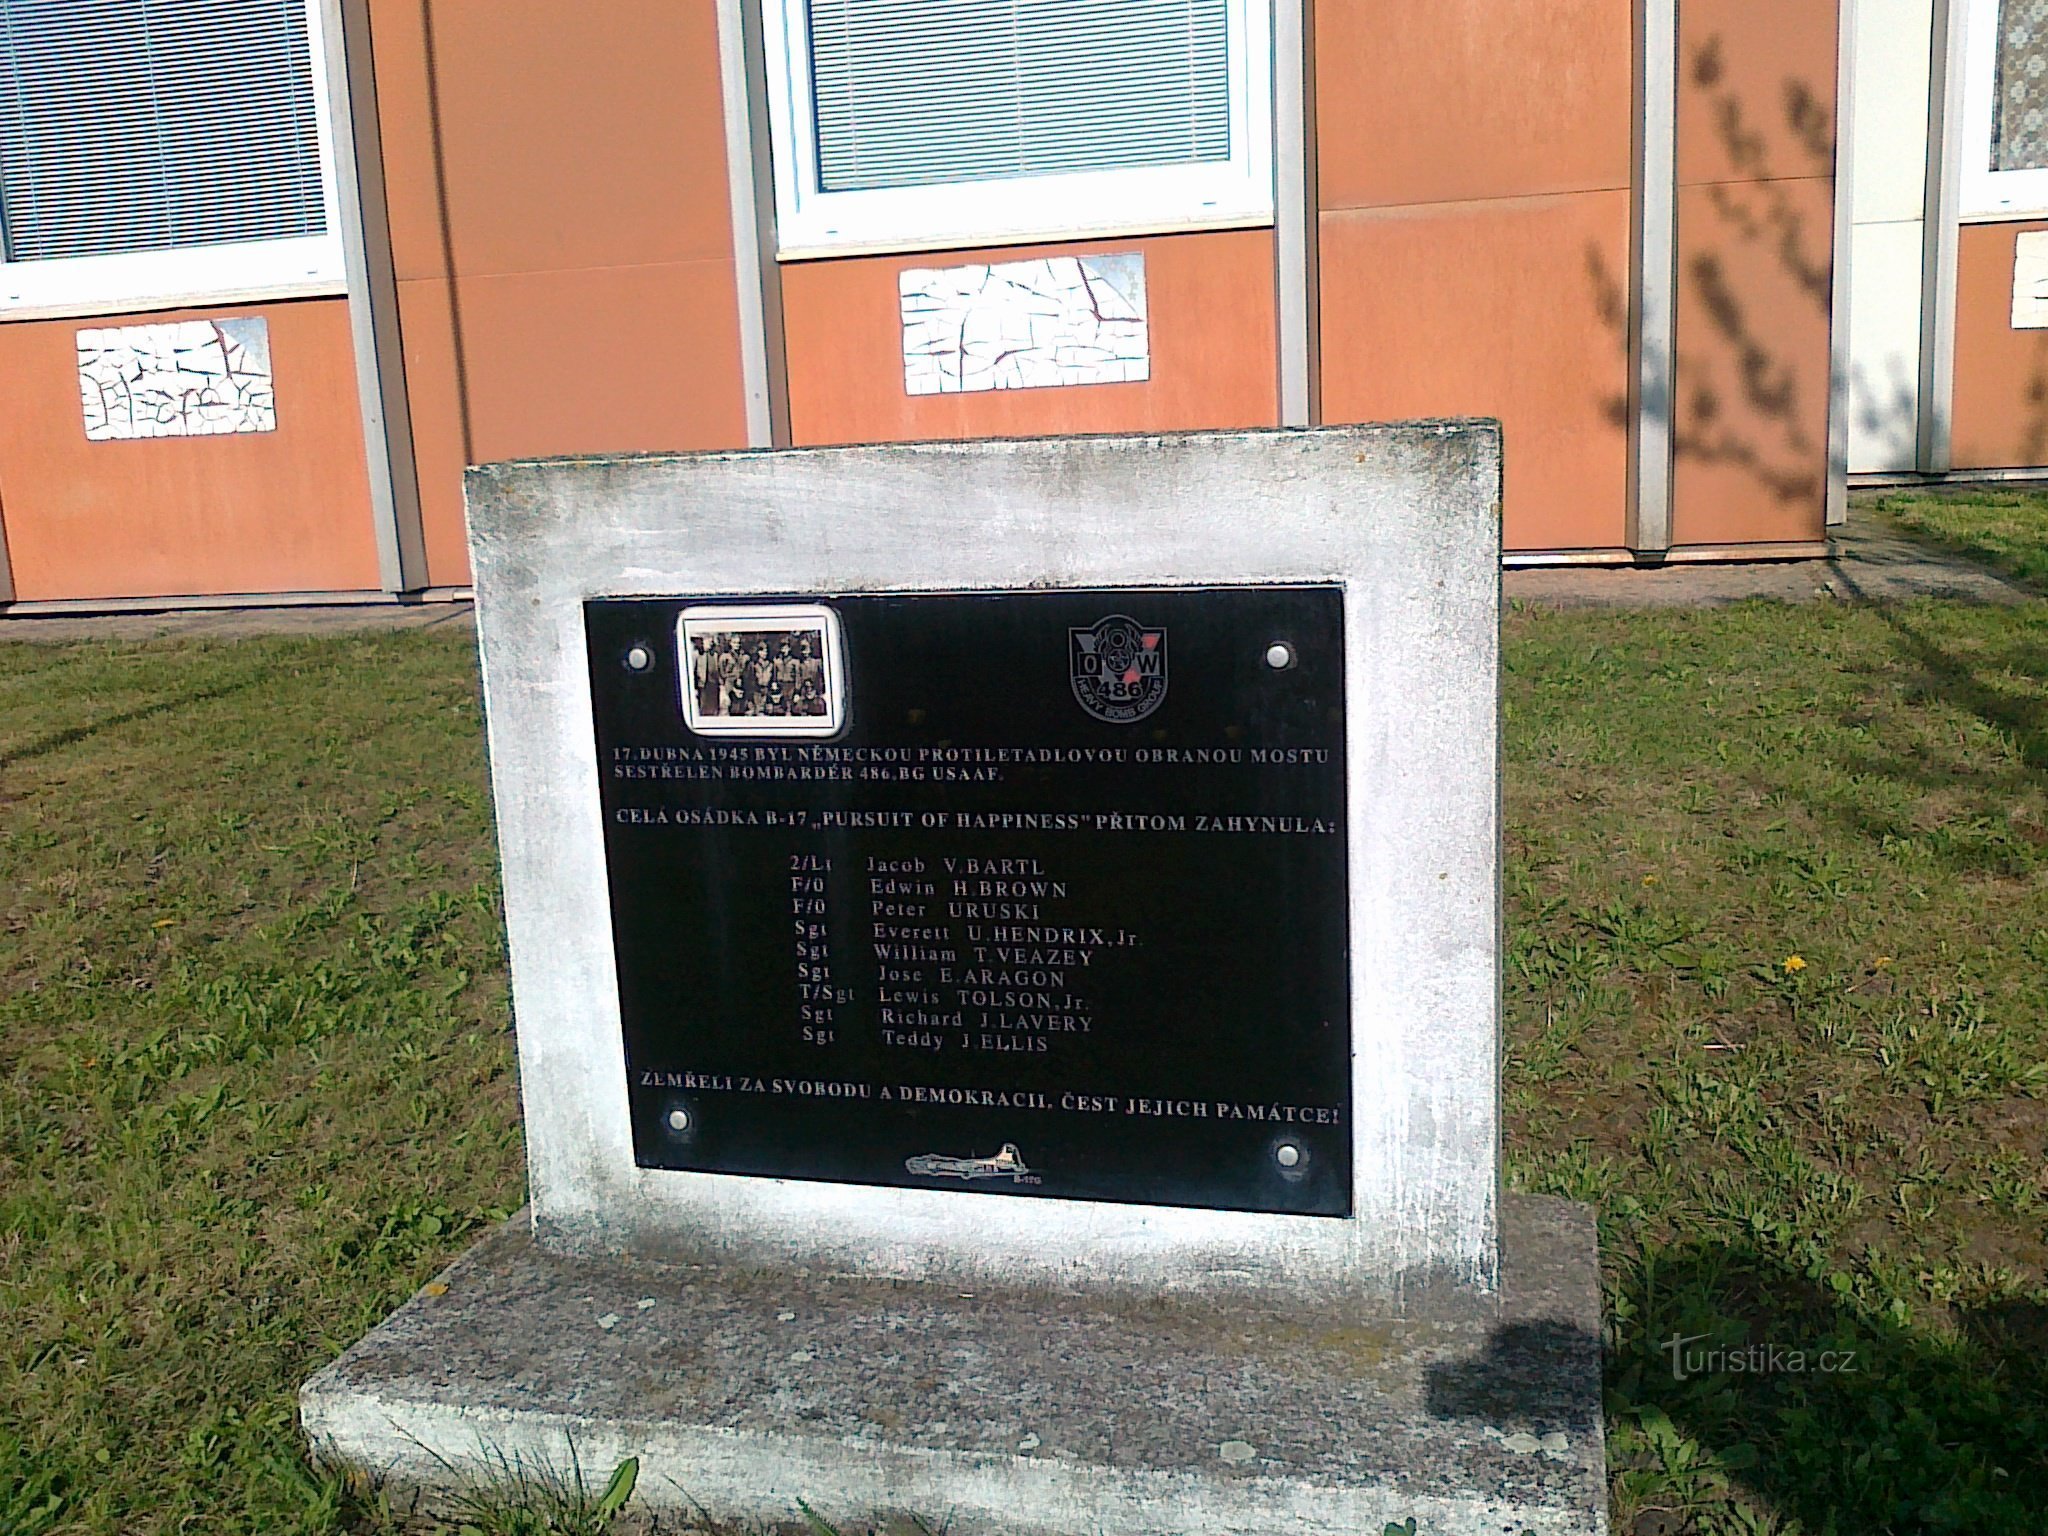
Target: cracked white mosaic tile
[(2030, 280), (1025, 324), (189, 378)]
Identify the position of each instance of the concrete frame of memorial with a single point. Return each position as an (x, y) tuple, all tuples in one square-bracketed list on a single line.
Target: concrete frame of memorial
[(1111, 1366)]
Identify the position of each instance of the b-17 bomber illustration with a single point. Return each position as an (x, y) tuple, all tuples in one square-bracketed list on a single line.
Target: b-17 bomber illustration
[(1008, 1163)]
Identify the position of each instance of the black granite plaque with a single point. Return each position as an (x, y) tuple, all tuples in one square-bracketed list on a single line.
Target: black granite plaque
[(1057, 908)]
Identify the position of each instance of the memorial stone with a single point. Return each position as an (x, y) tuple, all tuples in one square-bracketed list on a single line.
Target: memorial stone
[(1005, 945)]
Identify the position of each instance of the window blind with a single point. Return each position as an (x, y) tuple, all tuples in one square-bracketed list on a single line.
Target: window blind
[(921, 92), (2019, 113), (147, 125)]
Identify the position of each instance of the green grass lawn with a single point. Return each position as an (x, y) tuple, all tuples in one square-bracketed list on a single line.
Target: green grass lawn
[(255, 1076), (1777, 973), (1777, 977)]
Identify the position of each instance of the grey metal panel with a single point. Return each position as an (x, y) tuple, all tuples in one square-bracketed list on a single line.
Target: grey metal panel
[(1938, 272), (1296, 212), (757, 278), (1653, 277), (1839, 361), (373, 297)]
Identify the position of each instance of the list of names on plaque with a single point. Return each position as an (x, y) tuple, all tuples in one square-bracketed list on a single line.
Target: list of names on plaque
[(1060, 911)]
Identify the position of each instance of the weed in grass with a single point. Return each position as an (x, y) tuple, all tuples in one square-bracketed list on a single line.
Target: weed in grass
[(515, 1498), (812, 1523)]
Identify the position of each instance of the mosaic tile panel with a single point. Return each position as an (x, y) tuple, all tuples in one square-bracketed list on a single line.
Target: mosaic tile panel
[(2019, 118), (1025, 324), (190, 378), (2030, 281)]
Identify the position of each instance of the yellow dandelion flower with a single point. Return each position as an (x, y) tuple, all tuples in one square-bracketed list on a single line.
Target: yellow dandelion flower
[(1649, 879), (1881, 962), (1794, 963)]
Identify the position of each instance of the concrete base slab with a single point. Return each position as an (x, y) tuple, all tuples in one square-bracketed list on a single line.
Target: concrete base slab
[(745, 1392)]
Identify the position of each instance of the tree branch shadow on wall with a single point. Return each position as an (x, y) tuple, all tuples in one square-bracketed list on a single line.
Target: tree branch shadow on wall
[(438, 138), (1744, 399)]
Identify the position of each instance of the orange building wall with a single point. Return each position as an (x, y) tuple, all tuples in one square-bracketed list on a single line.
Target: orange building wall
[(1999, 418), (562, 234), (282, 511), (1756, 110), (560, 225), (1473, 177), (1210, 311)]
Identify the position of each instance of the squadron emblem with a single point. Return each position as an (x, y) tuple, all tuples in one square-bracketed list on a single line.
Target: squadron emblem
[(1118, 669)]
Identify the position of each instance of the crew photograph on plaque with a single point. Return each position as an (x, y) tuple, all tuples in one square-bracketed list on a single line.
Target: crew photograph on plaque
[(774, 670)]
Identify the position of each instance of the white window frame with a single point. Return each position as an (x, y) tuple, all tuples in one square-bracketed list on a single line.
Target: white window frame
[(1985, 194), (191, 276), (1138, 200)]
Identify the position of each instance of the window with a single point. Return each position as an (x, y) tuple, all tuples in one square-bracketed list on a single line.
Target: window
[(162, 151), (909, 123), (2005, 109)]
